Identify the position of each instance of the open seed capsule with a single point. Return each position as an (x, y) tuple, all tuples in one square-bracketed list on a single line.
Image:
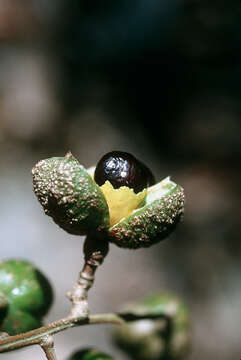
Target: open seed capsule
[(130, 215), (69, 195), (152, 222)]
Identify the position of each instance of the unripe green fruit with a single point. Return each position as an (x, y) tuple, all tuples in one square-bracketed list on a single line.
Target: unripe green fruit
[(152, 222), (28, 293), (69, 195), (18, 321), (155, 339), (90, 354)]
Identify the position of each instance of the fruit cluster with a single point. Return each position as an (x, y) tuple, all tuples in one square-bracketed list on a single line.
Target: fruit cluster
[(117, 197)]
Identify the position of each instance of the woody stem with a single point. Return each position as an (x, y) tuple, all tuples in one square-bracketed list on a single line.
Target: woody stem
[(95, 250), (47, 344)]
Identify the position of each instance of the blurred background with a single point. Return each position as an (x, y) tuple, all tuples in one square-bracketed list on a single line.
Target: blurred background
[(159, 79)]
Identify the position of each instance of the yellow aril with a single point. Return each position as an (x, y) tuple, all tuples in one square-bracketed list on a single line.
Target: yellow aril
[(121, 201)]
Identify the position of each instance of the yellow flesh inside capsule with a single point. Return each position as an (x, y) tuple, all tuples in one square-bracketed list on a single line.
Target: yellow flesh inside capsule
[(122, 201)]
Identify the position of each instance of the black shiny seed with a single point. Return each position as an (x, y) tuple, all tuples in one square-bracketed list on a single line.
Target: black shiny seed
[(123, 169)]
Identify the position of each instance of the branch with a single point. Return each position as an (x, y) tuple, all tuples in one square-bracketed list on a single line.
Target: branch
[(95, 250), (36, 336), (47, 345)]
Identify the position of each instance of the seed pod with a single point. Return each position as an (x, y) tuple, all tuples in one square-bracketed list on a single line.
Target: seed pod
[(29, 295), (164, 205), (90, 354), (155, 338), (69, 195)]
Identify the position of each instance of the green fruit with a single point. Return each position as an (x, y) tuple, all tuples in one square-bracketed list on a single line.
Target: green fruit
[(18, 321), (152, 222), (29, 295), (90, 354), (69, 195), (155, 339)]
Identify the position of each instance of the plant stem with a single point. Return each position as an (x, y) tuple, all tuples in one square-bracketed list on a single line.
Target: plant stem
[(34, 337), (95, 250), (38, 335), (47, 345), (50, 354)]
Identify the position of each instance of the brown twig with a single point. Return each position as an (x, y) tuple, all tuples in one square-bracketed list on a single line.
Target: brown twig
[(47, 344), (36, 336), (95, 250)]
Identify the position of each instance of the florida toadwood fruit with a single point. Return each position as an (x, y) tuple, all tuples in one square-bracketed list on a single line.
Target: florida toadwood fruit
[(90, 354), (152, 222), (69, 195), (116, 198), (155, 338), (27, 293)]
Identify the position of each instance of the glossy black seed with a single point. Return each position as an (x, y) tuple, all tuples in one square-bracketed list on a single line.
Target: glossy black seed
[(123, 169)]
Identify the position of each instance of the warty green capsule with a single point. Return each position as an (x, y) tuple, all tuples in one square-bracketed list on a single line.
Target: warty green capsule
[(69, 195), (152, 222)]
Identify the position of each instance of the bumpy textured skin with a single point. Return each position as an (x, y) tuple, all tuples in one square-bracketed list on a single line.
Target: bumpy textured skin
[(69, 195), (90, 354), (151, 224), (154, 339), (29, 296)]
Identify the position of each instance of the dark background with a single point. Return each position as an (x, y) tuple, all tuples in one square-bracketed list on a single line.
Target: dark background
[(162, 80)]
